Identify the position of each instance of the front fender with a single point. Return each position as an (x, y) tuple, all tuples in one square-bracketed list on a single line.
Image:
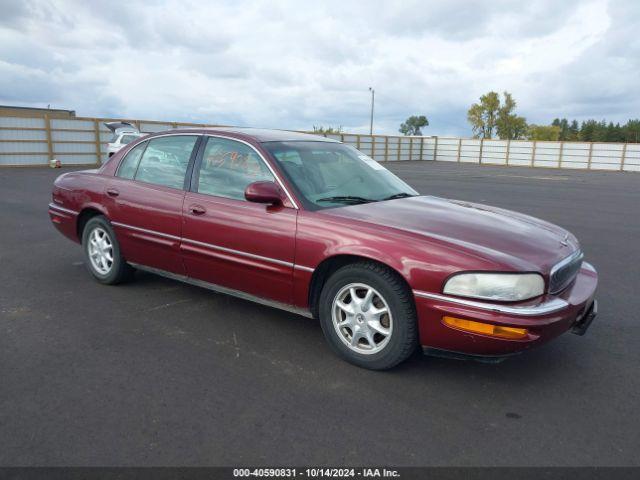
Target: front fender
[(424, 265)]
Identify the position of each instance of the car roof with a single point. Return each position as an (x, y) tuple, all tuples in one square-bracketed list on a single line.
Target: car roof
[(263, 135)]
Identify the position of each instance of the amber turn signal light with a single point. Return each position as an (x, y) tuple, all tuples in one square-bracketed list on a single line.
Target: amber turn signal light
[(511, 333)]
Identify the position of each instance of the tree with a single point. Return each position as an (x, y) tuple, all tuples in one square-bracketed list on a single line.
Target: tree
[(600, 132), (513, 128), (563, 124), (592, 131), (588, 130), (632, 131), (482, 116), (614, 133), (491, 115), (574, 130), (327, 130), (543, 132), (510, 126), (413, 125)]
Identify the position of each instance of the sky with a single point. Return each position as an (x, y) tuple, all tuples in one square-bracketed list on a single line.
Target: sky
[(296, 64)]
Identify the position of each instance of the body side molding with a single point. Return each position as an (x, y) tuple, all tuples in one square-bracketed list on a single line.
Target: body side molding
[(228, 291)]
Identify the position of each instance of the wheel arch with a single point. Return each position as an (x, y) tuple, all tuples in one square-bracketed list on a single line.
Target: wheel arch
[(84, 216), (331, 264)]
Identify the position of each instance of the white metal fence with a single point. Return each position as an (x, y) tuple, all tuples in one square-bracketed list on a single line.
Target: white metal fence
[(30, 140), (27, 141), (577, 155)]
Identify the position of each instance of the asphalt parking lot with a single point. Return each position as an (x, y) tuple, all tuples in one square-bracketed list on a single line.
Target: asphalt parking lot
[(160, 373)]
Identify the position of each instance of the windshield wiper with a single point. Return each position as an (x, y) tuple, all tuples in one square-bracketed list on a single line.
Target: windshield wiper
[(346, 199), (398, 195)]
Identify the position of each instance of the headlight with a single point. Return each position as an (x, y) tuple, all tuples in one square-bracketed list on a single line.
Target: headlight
[(507, 287)]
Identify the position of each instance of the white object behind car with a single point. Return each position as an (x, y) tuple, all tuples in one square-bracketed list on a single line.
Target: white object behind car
[(123, 133)]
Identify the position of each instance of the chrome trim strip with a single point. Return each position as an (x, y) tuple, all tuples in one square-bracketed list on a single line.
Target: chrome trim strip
[(213, 247), (278, 179), (238, 252), (576, 256), (228, 291), (170, 133), (565, 261), (302, 267), (144, 230), (551, 306), (65, 210)]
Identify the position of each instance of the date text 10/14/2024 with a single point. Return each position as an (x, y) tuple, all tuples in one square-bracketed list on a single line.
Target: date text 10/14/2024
[(316, 472)]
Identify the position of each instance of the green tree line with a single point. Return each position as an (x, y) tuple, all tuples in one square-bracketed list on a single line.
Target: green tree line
[(594, 131), (495, 117)]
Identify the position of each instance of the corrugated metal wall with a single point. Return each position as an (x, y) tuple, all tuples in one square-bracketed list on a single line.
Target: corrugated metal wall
[(581, 155), (28, 141), (385, 148), (577, 155), (83, 141)]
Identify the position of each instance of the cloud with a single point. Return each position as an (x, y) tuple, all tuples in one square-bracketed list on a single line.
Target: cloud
[(288, 64)]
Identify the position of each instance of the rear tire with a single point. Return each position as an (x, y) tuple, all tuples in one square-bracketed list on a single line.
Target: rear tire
[(368, 316), (102, 252)]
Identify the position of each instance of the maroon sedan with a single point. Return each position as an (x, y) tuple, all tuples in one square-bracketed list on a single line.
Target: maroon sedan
[(313, 226)]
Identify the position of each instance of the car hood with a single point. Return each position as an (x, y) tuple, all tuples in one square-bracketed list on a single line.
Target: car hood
[(509, 239)]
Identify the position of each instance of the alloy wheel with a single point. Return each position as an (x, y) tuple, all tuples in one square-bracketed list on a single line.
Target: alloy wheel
[(100, 249), (362, 318)]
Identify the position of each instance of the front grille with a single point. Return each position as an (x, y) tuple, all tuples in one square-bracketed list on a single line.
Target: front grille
[(563, 273)]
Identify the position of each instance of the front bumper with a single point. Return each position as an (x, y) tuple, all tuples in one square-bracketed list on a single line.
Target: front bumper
[(572, 309), (583, 322)]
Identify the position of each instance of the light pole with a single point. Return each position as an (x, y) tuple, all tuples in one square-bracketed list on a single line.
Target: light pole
[(373, 98)]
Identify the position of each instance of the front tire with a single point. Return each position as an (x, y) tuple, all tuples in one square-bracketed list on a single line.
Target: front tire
[(102, 252), (368, 316)]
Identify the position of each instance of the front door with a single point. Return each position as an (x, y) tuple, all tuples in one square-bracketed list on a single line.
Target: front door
[(229, 241), (144, 201)]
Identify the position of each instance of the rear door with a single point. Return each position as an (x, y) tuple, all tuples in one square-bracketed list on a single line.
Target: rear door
[(228, 241), (145, 199)]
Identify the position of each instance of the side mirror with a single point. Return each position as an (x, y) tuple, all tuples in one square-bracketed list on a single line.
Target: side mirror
[(263, 192)]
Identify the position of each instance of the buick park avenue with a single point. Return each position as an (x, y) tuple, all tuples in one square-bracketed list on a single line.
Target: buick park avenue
[(313, 226)]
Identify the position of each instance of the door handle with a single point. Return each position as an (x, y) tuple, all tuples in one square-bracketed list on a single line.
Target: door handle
[(112, 192), (197, 210)]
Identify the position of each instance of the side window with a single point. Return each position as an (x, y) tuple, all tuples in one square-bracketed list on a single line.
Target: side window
[(165, 160), (228, 167), (129, 164)]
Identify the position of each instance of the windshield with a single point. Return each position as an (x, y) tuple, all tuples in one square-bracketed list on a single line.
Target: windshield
[(332, 174)]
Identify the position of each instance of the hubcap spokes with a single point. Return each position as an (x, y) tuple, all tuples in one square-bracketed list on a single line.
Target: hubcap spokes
[(100, 250), (362, 318)]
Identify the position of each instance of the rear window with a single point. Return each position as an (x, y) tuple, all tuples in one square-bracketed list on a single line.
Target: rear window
[(129, 164), (127, 139)]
